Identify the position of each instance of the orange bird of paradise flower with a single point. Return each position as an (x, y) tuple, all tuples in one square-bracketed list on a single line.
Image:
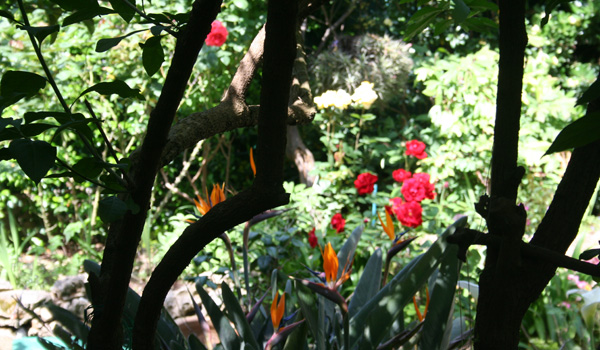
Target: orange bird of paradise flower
[(277, 310), (216, 196)]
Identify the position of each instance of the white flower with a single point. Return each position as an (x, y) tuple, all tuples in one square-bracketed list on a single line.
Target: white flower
[(364, 94), (591, 301)]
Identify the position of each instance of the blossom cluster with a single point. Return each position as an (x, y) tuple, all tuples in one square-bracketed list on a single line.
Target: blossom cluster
[(364, 95)]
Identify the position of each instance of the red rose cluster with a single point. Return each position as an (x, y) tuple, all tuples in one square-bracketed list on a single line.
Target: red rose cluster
[(416, 148), (338, 222), (312, 238), (414, 189), (218, 34), (365, 182)]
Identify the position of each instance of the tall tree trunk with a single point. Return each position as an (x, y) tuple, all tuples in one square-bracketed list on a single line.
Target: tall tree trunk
[(297, 151)]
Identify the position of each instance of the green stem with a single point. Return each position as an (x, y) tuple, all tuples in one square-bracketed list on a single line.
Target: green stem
[(246, 235), (346, 321), (229, 248)]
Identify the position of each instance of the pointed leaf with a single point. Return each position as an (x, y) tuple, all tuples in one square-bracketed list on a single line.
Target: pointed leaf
[(346, 254), (592, 93), (370, 325), (229, 339), (111, 209), (195, 343), (368, 284), (308, 305), (83, 15), (579, 133), (69, 321), (152, 55), (108, 43), (21, 83), (40, 33), (589, 254), (34, 157), (118, 87), (461, 11), (234, 310), (438, 321), (123, 9)]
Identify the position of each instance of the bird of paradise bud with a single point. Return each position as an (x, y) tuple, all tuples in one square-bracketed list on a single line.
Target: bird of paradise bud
[(398, 244), (217, 196), (277, 311), (420, 316), (252, 164)]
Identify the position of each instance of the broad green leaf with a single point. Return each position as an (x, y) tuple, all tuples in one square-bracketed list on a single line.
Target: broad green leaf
[(108, 43), (346, 254), (40, 33), (234, 310), (372, 323), (33, 116), (229, 339), (480, 24), (123, 9), (30, 130), (71, 5), (592, 93), (579, 133), (69, 321), (241, 4), (461, 11), (5, 154), (368, 284), (111, 209), (308, 302), (88, 167), (16, 85), (438, 322), (76, 124), (152, 55), (195, 343), (118, 87), (589, 254), (83, 15), (34, 157)]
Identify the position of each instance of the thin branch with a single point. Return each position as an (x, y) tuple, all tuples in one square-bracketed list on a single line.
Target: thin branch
[(467, 237), (149, 19)]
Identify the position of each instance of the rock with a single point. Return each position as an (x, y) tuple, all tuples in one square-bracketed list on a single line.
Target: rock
[(69, 287)]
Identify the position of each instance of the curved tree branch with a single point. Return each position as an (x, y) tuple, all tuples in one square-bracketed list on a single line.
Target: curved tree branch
[(266, 191), (124, 235)]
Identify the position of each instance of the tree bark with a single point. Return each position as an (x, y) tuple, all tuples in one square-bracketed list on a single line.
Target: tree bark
[(266, 191)]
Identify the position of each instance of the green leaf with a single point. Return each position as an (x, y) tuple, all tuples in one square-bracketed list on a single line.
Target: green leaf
[(421, 20), (34, 157), (123, 10), (69, 321), (79, 123), (346, 253), (438, 323), (108, 43), (40, 33), (118, 87), (589, 254), (592, 93), (308, 301), (111, 209), (88, 167), (550, 6), (30, 130), (16, 85), (234, 310), (72, 5), (229, 339), (480, 24), (368, 284), (372, 323), (579, 133), (152, 55), (461, 11), (83, 15), (7, 15), (195, 343)]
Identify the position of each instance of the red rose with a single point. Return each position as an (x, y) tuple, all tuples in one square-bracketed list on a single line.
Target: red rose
[(217, 35), (364, 183), (401, 175), (410, 214), (312, 239), (418, 188), (338, 222), (396, 202), (416, 148)]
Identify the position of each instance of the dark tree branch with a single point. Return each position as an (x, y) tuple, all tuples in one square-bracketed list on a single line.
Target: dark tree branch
[(467, 237), (266, 191), (512, 42), (122, 242)]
